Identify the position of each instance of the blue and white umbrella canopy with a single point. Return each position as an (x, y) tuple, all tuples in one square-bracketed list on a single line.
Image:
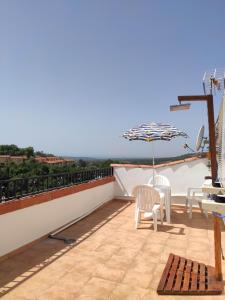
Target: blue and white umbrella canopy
[(154, 132)]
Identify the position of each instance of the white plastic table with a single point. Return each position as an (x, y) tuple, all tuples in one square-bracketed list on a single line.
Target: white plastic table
[(212, 206)]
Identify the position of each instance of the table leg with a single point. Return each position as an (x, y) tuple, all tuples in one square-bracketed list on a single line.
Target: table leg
[(168, 203)]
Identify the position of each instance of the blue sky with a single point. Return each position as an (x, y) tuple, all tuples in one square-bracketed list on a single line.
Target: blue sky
[(75, 74)]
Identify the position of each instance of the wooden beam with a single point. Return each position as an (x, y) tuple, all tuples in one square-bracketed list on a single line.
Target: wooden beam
[(193, 98)]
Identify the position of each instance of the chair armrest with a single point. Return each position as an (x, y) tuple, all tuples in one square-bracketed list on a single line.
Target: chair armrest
[(156, 207), (202, 195), (192, 190), (197, 194)]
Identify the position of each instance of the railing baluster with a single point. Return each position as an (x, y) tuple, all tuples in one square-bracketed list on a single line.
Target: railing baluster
[(21, 188), (26, 186)]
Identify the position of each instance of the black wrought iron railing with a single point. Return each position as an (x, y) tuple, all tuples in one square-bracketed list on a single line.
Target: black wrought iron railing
[(17, 188)]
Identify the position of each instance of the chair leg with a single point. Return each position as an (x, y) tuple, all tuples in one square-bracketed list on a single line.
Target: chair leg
[(161, 215), (155, 221), (135, 213), (137, 218), (186, 204), (202, 210), (205, 213), (190, 209), (168, 210)]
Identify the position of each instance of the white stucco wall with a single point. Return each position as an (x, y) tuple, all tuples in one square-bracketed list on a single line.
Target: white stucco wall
[(181, 177), (23, 226)]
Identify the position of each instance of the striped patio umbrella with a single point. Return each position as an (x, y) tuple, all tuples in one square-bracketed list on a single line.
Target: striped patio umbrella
[(151, 132)]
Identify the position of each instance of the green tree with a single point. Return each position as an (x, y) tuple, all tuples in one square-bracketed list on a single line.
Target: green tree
[(29, 151), (106, 163), (82, 163)]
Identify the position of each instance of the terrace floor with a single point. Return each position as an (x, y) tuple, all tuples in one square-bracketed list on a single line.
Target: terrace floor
[(110, 259)]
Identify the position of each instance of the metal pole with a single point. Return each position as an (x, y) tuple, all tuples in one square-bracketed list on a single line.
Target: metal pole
[(153, 164)]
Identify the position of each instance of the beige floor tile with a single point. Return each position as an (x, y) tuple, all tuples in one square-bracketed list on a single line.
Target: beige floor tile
[(127, 292), (153, 247), (159, 269), (154, 283), (107, 249), (88, 245), (149, 257), (61, 293), (199, 239), (85, 297), (12, 297), (119, 261), (176, 243), (141, 266), (94, 256), (128, 253), (137, 278), (68, 286), (195, 232), (198, 246), (98, 288), (152, 295), (109, 273), (198, 256)]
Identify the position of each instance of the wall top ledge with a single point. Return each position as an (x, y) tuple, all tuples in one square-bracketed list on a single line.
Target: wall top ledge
[(168, 164)]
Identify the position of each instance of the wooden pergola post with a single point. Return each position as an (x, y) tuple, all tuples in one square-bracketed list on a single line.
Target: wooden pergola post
[(212, 149)]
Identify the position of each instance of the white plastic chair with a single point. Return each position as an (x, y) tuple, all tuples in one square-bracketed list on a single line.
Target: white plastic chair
[(162, 183), (147, 200), (158, 180), (196, 195)]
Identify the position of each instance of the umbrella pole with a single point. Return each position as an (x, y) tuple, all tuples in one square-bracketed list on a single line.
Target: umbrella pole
[(153, 164)]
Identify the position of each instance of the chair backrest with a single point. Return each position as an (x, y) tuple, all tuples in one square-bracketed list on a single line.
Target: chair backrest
[(146, 196), (159, 180), (207, 183)]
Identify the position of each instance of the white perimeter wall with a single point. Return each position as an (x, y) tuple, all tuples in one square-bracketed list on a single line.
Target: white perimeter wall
[(181, 177), (23, 226)]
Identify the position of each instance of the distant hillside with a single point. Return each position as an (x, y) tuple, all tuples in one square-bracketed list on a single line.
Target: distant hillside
[(143, 161), (81, 157)]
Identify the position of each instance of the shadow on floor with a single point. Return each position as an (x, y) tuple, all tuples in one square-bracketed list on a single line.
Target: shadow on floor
[(18, 268), (180, 219), (198, 220)]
